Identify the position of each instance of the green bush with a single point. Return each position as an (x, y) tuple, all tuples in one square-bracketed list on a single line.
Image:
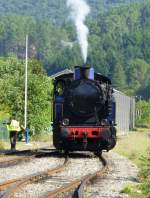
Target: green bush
[(2, 147), (127, 189), (45, 137), (143, 113), (145, 175), (39, 92)]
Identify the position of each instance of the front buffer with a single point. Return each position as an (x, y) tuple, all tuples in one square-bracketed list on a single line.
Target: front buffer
[(81, 138)]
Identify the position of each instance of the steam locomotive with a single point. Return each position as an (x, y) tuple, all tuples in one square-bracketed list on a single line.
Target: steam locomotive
[(83, 111)]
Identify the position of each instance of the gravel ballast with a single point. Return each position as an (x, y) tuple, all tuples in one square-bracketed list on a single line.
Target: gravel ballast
[(24, 169), (76, 168), (121, 171)]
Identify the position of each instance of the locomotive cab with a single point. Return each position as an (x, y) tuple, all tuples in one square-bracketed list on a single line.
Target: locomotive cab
[(83, 111)]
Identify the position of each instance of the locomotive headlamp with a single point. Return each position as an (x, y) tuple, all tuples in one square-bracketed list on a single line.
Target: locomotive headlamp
[(65, 122)]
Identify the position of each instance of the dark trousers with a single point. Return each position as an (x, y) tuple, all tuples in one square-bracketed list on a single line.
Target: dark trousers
[(13, 139)]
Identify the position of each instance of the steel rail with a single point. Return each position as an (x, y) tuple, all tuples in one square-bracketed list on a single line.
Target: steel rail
[(17, 152), (21, 152), (23, 156), (15, 161), (14, 185), (92, 177), (79, 183)]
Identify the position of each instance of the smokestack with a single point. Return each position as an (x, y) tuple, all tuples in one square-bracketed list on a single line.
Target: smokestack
[(83, 73)]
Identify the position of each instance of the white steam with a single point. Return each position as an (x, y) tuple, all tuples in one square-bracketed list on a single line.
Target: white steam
[(79, 11)]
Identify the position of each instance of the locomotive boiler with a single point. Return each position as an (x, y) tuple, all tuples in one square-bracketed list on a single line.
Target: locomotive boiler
[(83, 111)]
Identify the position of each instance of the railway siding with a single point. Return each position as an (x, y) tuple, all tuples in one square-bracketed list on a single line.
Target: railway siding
[(24, 169), (77, 168), (121, 171)]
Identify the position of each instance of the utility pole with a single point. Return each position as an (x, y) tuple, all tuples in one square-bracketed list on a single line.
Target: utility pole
[(26, 92)]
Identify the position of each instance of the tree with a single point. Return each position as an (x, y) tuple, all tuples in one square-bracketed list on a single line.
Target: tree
[(120, 36), (119, 79), (39, 89), (143, 118), (137, 74)]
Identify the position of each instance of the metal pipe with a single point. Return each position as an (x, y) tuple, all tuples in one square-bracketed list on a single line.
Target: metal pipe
[(26, 90)]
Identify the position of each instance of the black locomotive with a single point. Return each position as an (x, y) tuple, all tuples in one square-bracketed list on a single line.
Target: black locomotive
[(83, 111)]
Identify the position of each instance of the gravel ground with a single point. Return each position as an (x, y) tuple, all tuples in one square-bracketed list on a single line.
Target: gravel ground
[(121, 172), (6, 158), (23, 146), (33, 166), (77, 168)]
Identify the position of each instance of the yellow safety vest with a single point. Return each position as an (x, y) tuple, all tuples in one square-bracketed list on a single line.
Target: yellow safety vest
[(14, 126)]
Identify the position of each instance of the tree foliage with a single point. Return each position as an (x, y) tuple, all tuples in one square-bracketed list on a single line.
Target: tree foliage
[(119, 39), (143, 113), (145, 174), (53, 10), (12, 92)]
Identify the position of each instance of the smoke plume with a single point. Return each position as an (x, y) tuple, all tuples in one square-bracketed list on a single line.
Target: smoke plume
[(79, 11)]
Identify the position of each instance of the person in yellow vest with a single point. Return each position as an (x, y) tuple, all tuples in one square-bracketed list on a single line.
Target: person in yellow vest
[(13, 127)]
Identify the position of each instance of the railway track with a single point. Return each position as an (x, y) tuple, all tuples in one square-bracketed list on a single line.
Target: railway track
[(11, 186), (16, 160), (17, 152), (79, 185), (12, 158), (75, 187), (20, 156), (24, 152)]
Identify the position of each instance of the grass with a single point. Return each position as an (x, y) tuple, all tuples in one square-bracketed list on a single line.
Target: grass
[(128, 188), (31, 145), (134, 145), (35, 142), (46, 137), (133, 190), (2, 145), (142, 129)]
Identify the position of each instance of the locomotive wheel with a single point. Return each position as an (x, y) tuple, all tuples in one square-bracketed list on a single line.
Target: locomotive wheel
[(111, 142)]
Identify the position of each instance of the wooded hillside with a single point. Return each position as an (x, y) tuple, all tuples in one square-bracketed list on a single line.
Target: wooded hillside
[(53, 10), (119, 44)]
